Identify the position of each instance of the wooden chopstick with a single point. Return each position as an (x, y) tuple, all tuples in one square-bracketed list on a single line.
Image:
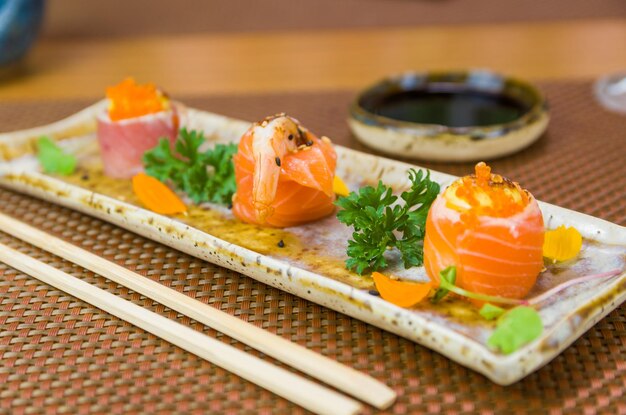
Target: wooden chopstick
[(290, 386), (327, 370)]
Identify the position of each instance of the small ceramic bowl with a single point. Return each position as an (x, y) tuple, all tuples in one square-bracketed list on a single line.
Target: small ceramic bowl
[(449, 116)]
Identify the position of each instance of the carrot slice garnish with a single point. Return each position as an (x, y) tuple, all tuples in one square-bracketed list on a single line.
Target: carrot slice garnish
[(562, 243), (401, 293), (339, 187), (156, 196)]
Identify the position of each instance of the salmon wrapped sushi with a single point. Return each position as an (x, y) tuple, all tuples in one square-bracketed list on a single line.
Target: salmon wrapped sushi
[(137, 117), (284, 174), (491, 229)]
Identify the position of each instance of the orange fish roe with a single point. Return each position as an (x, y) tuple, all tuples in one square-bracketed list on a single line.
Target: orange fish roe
[(130, 100), (484, 193)]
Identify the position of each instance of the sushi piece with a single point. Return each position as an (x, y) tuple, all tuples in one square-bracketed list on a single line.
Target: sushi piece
[(491, 229), (284, 174), (137, 117)]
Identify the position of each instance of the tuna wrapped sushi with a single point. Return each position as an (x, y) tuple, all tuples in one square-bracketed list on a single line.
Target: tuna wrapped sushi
[(137, 117)]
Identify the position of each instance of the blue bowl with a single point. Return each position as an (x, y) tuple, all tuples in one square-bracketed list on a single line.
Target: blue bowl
[(20, 21)]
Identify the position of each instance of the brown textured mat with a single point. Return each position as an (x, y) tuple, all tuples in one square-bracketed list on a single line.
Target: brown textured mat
[(144, 17), (61, 355)]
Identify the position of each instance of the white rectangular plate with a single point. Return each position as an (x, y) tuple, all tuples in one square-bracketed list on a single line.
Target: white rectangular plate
[(311, 263)]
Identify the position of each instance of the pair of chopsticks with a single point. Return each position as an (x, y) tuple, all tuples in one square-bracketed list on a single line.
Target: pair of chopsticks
[(290, 386)]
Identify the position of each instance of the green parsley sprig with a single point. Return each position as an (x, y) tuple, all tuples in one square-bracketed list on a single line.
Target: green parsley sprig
[(380, 223), (204, 176)]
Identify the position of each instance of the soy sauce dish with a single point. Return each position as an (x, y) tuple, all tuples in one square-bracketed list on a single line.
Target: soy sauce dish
[(449, 116)]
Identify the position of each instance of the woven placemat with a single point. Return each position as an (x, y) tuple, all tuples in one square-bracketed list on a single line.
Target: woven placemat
[(61, 355)]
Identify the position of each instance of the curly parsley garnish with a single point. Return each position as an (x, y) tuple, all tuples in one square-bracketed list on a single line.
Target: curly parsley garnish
[(380, 223), (205, 177)]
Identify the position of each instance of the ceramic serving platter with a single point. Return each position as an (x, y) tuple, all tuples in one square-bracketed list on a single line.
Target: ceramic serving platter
[(311, 263)]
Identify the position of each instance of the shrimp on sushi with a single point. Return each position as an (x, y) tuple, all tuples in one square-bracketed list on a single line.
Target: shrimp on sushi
[(284, 174), (489, 228)]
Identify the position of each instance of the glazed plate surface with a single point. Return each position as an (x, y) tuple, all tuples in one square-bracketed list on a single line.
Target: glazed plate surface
[(311, 263)]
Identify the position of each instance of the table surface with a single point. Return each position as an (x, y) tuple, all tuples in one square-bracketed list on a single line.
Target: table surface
[(248, 63), (61, 353)]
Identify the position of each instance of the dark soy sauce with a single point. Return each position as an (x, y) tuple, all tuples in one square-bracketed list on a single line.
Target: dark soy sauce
[(454, 106)]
